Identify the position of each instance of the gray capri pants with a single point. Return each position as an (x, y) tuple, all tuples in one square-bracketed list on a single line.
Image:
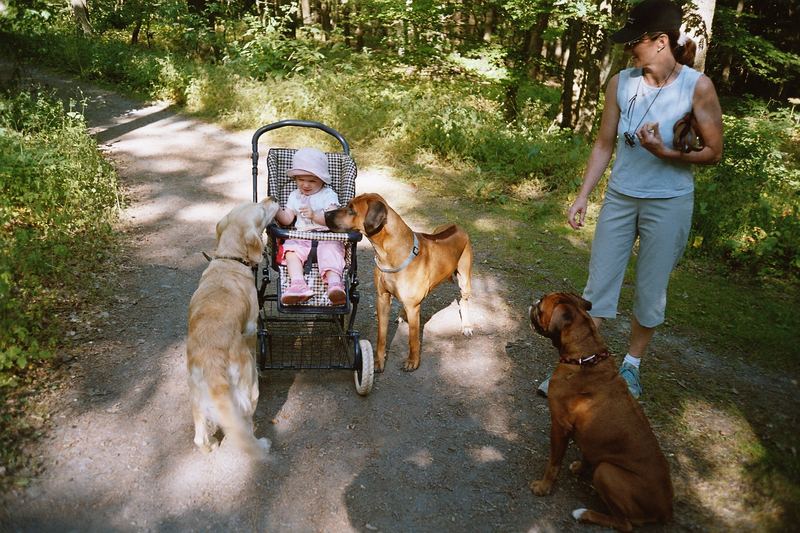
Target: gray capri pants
[(662, 225)]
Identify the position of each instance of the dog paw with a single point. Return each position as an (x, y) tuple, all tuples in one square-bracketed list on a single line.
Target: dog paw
[(467, 331), (578, 513), (410, 366), (209, 446), (540, 488), (264, 444)]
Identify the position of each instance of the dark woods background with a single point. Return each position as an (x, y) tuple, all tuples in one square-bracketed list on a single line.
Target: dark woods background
[(746, 47)]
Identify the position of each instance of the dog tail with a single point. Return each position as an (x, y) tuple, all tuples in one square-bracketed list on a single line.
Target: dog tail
[(232, 405)]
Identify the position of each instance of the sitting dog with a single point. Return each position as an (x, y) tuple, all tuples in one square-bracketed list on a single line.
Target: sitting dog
[(407, 265), (223, 312), (589, 402)]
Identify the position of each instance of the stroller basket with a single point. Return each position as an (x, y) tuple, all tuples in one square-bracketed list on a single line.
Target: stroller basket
[(314, 334)]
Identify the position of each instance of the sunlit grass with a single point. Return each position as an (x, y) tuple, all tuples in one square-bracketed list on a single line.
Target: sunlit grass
[(718, 451)]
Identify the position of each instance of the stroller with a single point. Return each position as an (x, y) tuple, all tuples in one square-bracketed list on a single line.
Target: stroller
[(311, 334)]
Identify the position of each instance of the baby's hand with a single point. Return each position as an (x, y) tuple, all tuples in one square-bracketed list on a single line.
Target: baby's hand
[(306, 211)]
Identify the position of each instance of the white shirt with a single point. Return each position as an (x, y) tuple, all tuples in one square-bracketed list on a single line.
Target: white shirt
[(324, 199)]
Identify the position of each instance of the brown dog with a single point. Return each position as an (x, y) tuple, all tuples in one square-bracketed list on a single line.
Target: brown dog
[(408, 265), (589, 402), (223, 313)]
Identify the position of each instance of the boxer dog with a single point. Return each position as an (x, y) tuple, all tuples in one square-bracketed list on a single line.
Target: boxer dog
[(590, 403), (407, 265), (223, 313)]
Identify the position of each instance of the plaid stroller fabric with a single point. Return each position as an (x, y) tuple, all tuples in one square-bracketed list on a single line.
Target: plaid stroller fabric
[(343, 181), (342, 168)]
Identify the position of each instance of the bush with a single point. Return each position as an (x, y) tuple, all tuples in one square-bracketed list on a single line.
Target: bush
[(57, 199), (747, 205)]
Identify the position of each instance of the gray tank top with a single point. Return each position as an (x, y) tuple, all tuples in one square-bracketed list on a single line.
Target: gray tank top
[(637, 172)]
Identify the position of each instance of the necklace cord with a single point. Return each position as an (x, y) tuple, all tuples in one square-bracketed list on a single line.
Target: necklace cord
[(629, 136)]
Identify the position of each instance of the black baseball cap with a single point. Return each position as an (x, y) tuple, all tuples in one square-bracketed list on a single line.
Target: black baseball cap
[(648, 17)]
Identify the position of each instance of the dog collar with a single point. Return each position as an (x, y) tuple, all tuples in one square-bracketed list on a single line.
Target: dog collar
[(589, 360), (245, 262), (414, 253)]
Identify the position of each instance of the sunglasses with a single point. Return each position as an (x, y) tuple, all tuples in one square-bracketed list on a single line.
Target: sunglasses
[(643, 37)]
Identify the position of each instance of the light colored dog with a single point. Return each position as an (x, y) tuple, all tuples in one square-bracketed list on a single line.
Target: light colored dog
[(223, 314), (408, 266)]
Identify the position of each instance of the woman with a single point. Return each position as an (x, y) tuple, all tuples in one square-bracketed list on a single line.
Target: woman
[(650, 194)]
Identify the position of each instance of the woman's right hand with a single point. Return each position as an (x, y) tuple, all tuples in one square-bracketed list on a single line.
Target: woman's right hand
[(577, 212)]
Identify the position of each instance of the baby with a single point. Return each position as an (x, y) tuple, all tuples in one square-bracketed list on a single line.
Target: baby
[(306, 207)]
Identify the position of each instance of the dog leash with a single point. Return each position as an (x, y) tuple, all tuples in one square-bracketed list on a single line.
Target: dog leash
[(246, 263), (414, 253), (588, 360)]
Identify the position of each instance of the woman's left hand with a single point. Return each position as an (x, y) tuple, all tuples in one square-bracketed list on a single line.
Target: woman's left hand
[(650, 137)]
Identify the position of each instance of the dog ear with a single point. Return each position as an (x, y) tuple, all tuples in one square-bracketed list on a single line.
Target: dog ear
[(561, 316), (375, 219), (221, 225), (580, 301), (254, 246)]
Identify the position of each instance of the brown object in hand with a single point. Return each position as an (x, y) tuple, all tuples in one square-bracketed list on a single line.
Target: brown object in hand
[(685, 136)]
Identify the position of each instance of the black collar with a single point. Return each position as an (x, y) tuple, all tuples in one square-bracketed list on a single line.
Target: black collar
[(589, 360), (245, 262)]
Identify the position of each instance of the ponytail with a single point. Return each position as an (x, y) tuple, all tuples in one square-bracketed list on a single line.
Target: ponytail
[(683, 47)]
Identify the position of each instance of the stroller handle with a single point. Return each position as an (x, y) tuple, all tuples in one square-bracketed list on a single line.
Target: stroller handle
[(291, 122)]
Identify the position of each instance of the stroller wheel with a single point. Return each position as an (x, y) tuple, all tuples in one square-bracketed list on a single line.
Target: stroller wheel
[(365, 371)]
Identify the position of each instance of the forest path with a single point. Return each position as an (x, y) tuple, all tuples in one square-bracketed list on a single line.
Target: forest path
[(450, 447)]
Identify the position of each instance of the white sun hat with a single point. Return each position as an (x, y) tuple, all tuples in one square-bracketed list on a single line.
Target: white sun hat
[(310, 161)]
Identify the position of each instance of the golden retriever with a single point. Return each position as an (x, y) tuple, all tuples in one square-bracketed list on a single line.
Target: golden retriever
[(223, 313)]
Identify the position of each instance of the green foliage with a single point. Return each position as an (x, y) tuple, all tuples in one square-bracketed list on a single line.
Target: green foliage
[(747, 205), (264, 51), (760, 53), (57, 197), (450, 114)]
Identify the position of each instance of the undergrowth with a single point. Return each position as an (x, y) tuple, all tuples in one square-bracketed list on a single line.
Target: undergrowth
[(58, 198)]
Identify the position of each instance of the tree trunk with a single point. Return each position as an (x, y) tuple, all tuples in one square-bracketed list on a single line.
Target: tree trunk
[(324, 10), (81, 12), (488, 24), (135, 33), (702, 34), (305, 12), (570, 42), (517, 65), (345, 22), (728, 60), (589, 91), (536, 44)]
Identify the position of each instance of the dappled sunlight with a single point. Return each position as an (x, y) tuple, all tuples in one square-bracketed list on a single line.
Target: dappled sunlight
[(577, 240), (381, 180), (422, 458), (479, 368), (203, 212), (487, 224), (485, 454), (291, 416), (166, 207), (193, 473), (728, 446)]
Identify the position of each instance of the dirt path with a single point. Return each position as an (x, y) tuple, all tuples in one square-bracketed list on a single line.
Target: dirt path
[(451, 447)]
